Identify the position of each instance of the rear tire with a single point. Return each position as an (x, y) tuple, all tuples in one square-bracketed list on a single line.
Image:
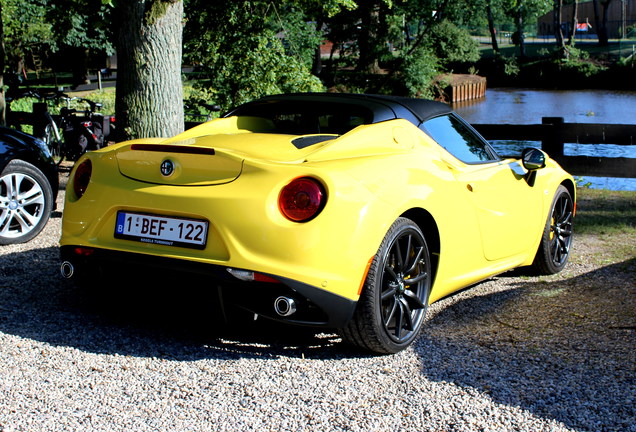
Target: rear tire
[(393, 303), (554, 249)]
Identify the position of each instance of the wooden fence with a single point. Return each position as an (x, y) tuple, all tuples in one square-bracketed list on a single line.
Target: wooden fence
[(554, 133)]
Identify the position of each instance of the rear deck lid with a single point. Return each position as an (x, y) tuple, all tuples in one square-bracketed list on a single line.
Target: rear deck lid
[(178, 164)]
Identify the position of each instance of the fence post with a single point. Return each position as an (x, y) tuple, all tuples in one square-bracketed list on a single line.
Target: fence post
[(39, 119), (552, 138)]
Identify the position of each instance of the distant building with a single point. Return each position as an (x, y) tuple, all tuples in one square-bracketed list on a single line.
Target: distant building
[(621, 14)]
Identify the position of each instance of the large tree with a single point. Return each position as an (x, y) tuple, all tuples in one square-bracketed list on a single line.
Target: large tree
[(149, 89), (82, 29), (3, 117)]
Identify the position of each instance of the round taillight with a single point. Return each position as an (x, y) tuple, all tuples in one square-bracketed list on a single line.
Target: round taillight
[(82, 177), (302, 199)]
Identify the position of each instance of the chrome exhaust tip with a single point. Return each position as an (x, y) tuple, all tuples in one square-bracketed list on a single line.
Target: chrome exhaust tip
[(67, 270), (285, 306)]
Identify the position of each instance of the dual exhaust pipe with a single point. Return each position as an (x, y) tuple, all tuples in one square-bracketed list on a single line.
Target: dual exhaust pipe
[(67, 269), (284, 306)]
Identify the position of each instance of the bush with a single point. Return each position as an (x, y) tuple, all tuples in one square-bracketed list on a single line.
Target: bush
[(417, 72), (581, 68), (451, 44), (578, 64)]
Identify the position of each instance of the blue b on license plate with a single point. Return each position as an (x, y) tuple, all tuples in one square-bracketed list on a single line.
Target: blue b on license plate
[(163, 230)]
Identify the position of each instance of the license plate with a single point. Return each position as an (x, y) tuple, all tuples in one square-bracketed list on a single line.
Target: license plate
[(163, 230)]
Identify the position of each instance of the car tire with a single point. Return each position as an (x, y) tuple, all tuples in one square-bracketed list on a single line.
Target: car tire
[(26, 202), (556, 240), (391, 308)]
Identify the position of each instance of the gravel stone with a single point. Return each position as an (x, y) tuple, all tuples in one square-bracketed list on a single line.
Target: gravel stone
[(514, 353)]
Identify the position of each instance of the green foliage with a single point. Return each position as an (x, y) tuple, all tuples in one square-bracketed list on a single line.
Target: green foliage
[(105, 97), (505, 65), (582, 183), (417, 71), (81, 24), (241, 57), (27, 32), (544, 52), (238, 77), (451, 44), (578, 64), (577, 54), (583, 68), (194, 97), (510, 66), (23, 104), (300, 37)]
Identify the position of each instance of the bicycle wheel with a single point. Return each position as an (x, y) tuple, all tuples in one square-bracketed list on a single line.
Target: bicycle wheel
[(50, 140)]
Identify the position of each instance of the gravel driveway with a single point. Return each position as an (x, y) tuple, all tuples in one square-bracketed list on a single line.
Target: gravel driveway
[(514, 353)]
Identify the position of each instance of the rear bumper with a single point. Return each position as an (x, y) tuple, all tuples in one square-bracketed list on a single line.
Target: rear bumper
[(314, 306)]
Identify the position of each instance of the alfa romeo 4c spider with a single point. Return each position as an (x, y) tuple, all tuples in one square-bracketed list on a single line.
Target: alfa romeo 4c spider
[(346, 211)]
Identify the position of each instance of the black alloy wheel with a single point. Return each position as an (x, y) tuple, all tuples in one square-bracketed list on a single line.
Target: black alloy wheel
[(554, 249), (393, 304)]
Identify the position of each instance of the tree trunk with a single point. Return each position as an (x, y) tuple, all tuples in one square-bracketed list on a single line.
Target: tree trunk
[(491, 27), (369, 37), (573, 23), (605, 19), (601, 22), (79, 67), (149, 89), (520, 35), (316, 66), (3, 107), (558, 30)]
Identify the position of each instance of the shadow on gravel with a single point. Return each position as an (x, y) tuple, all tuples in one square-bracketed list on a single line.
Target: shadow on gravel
[(563, 350), (170, 321)]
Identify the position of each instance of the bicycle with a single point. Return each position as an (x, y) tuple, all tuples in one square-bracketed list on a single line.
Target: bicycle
[(44, 126), (69, 134), (82, 130)]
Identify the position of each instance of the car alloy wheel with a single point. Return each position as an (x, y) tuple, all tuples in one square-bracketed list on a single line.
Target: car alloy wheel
[(554, 249), (393, 304), (25, 202)]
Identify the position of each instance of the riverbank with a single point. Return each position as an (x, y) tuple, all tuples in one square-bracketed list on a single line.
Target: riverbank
[(589, 66)]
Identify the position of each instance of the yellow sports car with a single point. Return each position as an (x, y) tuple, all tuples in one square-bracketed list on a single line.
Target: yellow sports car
[(347, 211)]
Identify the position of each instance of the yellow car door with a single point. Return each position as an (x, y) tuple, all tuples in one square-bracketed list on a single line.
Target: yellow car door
[(506, 205)]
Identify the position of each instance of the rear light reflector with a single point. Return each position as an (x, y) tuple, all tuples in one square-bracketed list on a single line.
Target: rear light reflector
[(250, 276), (82, 177), (83, 251)]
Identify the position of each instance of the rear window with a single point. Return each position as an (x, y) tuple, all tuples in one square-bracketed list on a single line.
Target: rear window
[(307, 118)]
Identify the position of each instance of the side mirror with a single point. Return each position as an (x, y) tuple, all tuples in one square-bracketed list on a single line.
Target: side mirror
[(533, 158)]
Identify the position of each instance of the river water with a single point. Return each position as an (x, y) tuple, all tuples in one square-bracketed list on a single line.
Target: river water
[(528, 106)]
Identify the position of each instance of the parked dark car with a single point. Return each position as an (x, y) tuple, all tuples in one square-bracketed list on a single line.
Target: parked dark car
[(28, 186)]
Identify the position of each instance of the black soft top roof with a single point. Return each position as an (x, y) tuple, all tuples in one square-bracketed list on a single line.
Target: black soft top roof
[(383, 107)]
